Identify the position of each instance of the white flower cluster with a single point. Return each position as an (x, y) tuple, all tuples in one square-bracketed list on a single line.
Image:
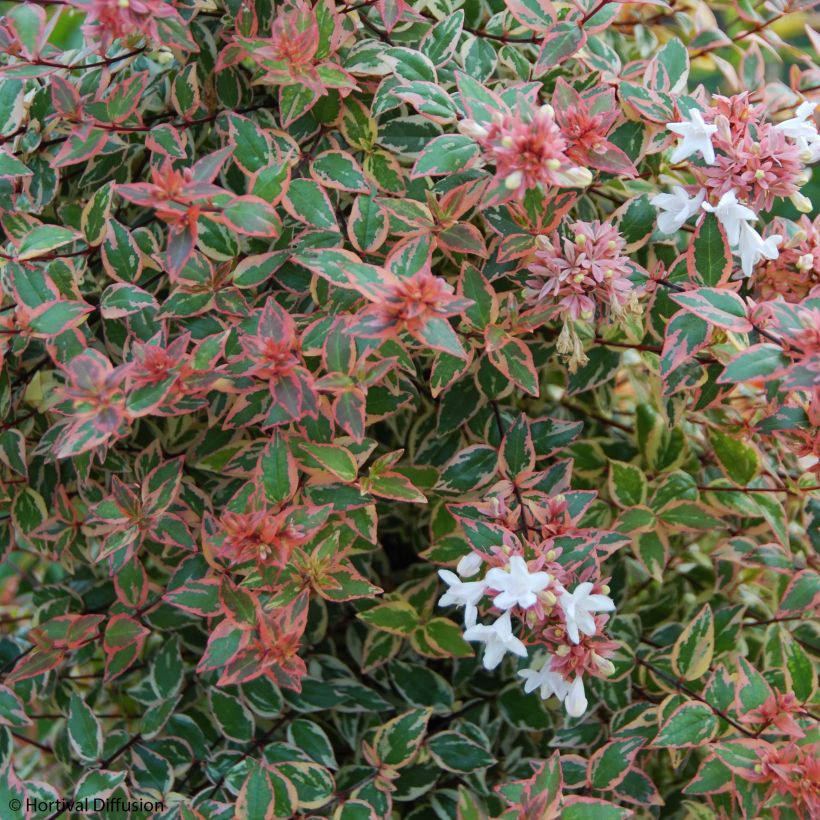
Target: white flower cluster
[(677, 207), (515, 586)]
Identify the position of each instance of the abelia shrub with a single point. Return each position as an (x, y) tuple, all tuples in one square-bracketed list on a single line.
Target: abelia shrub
[(409, 409)]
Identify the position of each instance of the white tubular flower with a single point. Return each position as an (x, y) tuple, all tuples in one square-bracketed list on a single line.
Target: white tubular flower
[(469, 565), (518, 586), (578, 607), (696, 138), (497, 639), (800, 126), (576, 699), (676, 208), (731, 215), (462, 593), (752, 248), (809, 148), (549, 682)]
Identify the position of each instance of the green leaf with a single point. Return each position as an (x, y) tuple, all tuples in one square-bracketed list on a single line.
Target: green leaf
[(395, 617), (12, 711), (455, 752), (693, 649), (334, 458), (447, 154), (311, 739), (637, 221), (441, 41), (95, 215), (84, 730), (802, 594), (675, 61), (278, 467), (399, 740), (708, 258), (444, 638), (740, 461), (44, 238), (306, 201), (627, 484), (691, 724), (758, 361), (232, 717), (473, 467), (339, 169), (12, 167), (609, 765), (122, 300)]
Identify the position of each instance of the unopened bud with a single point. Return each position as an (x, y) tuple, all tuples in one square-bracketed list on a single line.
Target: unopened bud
[(609, 273), (605, 589), (606, 666), (612, 244), (507, 142), (549, 597), (514, 180), (580, 240), (562, 651), (123, 4), (575, 177), (801, 202), (548, 109), (805, 262), (471, 129), (542, 242), (551, 555)]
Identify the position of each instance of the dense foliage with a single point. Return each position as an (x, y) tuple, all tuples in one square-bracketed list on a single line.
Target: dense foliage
[(409, 409)]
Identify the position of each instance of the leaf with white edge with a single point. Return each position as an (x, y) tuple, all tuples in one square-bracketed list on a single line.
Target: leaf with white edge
[(691, 724), (122, 300), (398, 742), (455, 752), (12, 167), (84, 730), (739, 459), (758, 361), (609, 765), (12, 711), (447, 154), (693, 650), (473, 467), (43, 239), (339, 170), (307, 202), (721, 308), (627, 484), (802, 594)]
